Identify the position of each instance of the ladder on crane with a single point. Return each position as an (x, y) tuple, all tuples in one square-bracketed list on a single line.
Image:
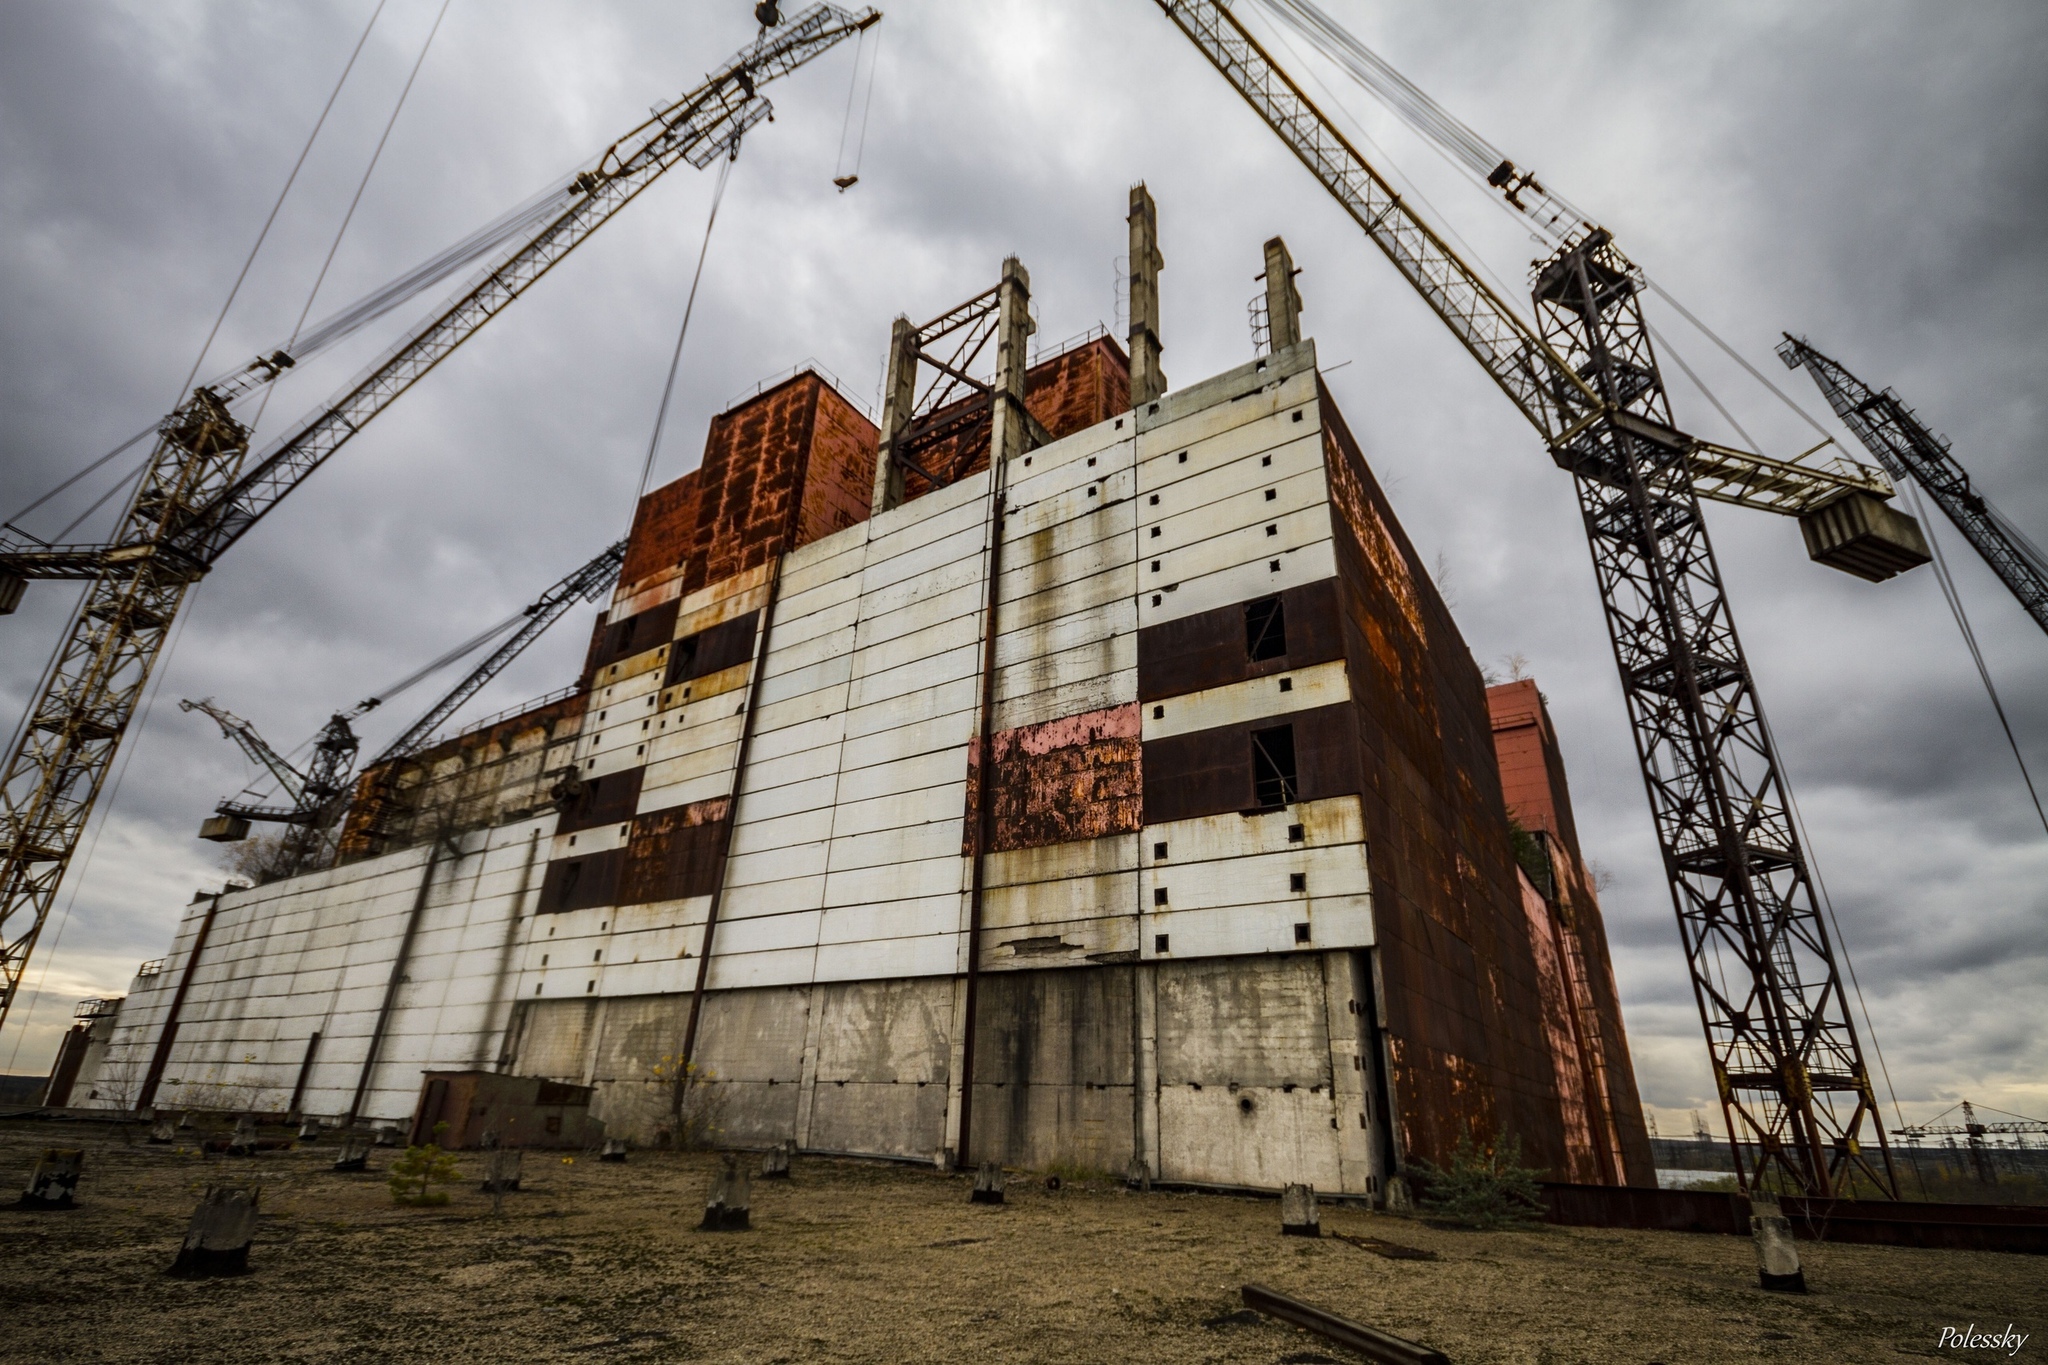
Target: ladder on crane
[(196, 498)]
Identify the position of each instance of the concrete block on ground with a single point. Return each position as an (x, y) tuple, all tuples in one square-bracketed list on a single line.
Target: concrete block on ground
[(1777, 1259), (217, 1242), (355, 1153), (726, 1207), (243, 1142), (775, 1161), (501, 1170), (55, 1179), (309, 1131), (988, 1184), (1138, 1175), (388, 1135), (614, 1150), (163, 1132), (1298, 1212)]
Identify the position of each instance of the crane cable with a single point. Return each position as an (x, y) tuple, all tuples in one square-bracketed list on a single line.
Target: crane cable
[(675, 359), (354, 202), (841, 177)]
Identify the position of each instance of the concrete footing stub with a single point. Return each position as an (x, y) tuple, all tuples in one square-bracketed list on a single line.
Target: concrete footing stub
[(243, 1142), (1138, 1176), (726, 1207), (387, 1136), (988, 1184), (1298, 1217), (614, 1150), (222, 1228), (163, 1132), (55, 1179), (355, 1154), (501, 1170), (775, 1161), (1777, 1259), (309, 1131)]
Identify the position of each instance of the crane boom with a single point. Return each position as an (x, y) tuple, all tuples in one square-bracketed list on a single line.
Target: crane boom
[(586, 584), (249, 742), (195, 498), (1901, 442), (1784, 1052)]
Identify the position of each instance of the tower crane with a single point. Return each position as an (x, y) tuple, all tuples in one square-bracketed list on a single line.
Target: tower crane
[(1787, 1063), (200, 492), (1901, 442), (319, 793)]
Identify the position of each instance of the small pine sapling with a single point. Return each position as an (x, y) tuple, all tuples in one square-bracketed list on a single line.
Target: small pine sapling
[(1484, 1188), (414, 1175)]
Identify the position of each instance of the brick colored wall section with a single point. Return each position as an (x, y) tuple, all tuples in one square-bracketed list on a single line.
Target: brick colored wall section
[(673, 853), (1537, 793), (1073, 778), (1070, 392), (841, 479), (664, 529), (1458, 977)]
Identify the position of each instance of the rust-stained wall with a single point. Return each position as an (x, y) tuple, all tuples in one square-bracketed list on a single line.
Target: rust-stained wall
[(1459, 986), (1538, 795), (1069, 392), (1072, 778)]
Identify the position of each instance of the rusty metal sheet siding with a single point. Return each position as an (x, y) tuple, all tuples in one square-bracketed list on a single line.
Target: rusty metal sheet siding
[(1208, 649), (635, 634), (664, 530), (1533, 781), (723, 646), (1460, 980), (841, 477), (605, 800), (1560, 1039), (1062, 780), (672, 854), (1209, 772), (1076, 389), (579, 883)]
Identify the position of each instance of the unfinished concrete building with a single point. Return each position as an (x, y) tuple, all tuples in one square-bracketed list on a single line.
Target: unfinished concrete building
[(1070, 769)]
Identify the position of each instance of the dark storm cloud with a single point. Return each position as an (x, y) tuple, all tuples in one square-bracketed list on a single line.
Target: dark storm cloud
[(1871, 175)]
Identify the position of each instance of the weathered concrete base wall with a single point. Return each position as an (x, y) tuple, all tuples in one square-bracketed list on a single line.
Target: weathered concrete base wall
[(1255, 1070)]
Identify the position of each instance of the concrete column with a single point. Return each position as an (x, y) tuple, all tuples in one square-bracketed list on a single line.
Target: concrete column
[(1145, 1065), (1009, 434), (807, 1065), (1283, 302), (899, 396), (1350, 1093), (1148, 381)]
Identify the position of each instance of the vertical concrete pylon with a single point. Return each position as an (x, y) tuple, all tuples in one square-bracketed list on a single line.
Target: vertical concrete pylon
[(1148, 381), (1283, 302), (1008, 436), (899, 396)]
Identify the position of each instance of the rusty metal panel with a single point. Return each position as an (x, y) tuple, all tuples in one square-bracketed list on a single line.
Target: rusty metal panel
[(609, 799), (581, 882), (1208, 649), (1063, 780), (647, 630), (721, 647), (1461, 991), (673, 853), (1209, 772)]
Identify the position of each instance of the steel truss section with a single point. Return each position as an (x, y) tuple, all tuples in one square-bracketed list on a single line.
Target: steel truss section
[(1793, 1085), (66, 748), (1900, 442), (1784, 1052)]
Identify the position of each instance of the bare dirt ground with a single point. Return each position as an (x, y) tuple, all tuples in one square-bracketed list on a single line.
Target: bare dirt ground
[(861, 1261)]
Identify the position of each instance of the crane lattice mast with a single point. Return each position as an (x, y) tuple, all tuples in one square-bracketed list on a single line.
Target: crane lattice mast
[(196, 499), (1797, 1096)]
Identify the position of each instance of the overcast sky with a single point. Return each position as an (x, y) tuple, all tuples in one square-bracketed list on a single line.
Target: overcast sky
[(1872, 175)]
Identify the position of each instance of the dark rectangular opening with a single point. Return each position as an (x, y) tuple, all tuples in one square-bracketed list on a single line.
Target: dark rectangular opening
[(1159, 895), (1159, 942), (1273, 775), (1265, 629)]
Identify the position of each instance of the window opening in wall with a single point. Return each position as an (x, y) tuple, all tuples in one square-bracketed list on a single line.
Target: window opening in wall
[(1159, 895), (1158, 945), (1295, 834), (1273, 777), (1265, 629), (1301, 933), (1159, 850), (1297, 881)]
